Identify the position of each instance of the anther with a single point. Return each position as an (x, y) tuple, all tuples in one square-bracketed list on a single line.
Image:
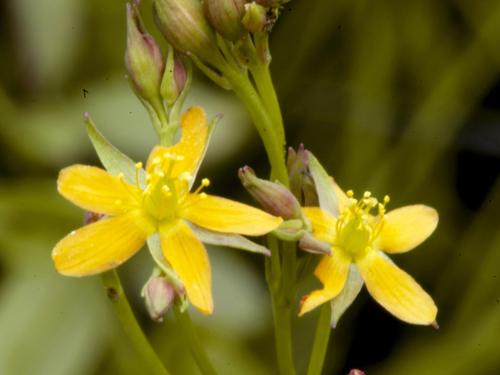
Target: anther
[(350, 193), (156, 160), (367, 194), (386, 199), (205, 182), (138, 165), (203, 195)]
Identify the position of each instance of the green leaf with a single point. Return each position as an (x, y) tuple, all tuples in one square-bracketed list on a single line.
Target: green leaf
[(324, 186), (113, 159)]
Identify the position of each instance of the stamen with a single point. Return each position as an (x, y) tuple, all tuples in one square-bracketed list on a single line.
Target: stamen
[(387, 199), (350, 193), (367, 194), (205, 182)]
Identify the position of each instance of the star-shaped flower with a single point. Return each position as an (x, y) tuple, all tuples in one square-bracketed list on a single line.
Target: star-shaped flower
[(359, 242), (162, 204)]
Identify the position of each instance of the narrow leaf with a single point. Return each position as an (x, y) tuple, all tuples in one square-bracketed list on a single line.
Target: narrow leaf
[(111, 158), (229, 240)]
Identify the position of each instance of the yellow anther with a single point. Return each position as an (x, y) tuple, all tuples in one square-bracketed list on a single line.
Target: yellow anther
[(386, 199), (159, 174), (138, 165), (205, 182), (203, 195), (165, 190), (367, 194), (179, 158), (156, 160), (350, 193)]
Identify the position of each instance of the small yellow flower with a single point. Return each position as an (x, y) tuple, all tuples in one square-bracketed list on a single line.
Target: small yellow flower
[(360, 239), (164, 206)]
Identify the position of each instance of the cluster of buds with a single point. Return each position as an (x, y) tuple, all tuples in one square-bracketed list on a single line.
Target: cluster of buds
[(156, 80), (281, 201), (198, 28)]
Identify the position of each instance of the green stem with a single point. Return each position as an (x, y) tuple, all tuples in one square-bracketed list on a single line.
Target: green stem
[(197, 350), (282, 308), (321, 338), (262, 121), (264, 83), (116, 294)]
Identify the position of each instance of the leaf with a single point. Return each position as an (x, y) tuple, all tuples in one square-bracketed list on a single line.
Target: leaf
[(230, 240), (113, 159), (328, 200)]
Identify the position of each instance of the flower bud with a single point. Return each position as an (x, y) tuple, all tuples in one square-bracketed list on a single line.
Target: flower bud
[(225, 16), (355, 371), (184, 26), (255, 18), (143, 59), (90, 217), (174, 78), (159, 296), (273, 197), (301, 182), (312, 245)]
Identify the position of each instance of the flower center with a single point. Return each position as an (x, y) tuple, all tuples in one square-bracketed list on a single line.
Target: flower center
[(356, 227), (166, 188)]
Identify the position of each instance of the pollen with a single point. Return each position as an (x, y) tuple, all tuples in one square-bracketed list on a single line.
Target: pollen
[(205, 182)]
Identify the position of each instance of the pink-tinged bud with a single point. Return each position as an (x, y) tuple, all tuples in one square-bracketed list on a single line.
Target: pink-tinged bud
[(255, 18), (225, 16), (143, 59), (356, 372), (312, 245), (159, 296), (91, 217), (273, 197), (301, 182), (184, 26)]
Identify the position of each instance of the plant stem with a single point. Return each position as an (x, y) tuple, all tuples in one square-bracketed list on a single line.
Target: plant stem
[(197, 350), (321, 338), (262, 121), (116, 294)]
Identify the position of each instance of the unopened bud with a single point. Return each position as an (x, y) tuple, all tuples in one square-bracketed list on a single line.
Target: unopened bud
[(255, 18), (225, 16), (273, 197), (159, 296), (143, 59), (91, 217), (174, 78), (312, 245), (184, 26), (301, 182)]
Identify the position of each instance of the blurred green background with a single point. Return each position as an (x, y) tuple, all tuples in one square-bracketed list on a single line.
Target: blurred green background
[(396, 97)]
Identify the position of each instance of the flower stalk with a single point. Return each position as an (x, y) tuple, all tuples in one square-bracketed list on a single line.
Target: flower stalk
[(116, 294), (321, 338)]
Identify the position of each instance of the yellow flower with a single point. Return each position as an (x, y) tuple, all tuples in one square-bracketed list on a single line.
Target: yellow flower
[(164, 206), (360, 239)]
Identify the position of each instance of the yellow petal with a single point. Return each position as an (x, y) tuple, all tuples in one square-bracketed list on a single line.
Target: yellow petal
[(191, 146), (407, 227), (332, 271), (96, 190), (322, 222), (189, 259), (100, 246), (227, 216), (395, 290)]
